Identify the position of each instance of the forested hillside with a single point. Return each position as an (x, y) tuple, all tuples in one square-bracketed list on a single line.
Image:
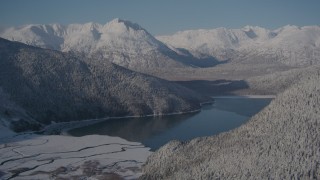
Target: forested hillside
[(44, 85), (280, 142)]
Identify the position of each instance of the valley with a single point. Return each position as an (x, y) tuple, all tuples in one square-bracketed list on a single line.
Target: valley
[(224, 114), (162, 107)]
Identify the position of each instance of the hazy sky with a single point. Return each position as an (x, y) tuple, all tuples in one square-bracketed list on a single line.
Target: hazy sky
[(164, 16)]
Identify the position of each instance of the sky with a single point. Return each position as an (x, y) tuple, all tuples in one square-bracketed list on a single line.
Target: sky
[(161, 17)]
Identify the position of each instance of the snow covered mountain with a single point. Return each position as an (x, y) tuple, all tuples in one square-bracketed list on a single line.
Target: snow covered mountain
[(290, 45), (128, 44), (120, 41), (38, 86)]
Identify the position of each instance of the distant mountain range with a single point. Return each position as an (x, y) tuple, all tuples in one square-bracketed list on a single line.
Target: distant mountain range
[(129, 45), (289, 45), (121, 42), (38, 86)]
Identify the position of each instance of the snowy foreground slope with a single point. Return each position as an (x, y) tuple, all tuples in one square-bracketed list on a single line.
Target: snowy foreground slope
[(280, 142), (290, 45), (119, 41), (52, 157)]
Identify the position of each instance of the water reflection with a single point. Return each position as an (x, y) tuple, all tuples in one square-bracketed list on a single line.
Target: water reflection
[(243, 106), (132, 129), (223, 115)]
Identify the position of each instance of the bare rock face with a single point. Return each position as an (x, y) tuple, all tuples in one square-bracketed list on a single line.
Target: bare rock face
[(280, 142), (48, 85)]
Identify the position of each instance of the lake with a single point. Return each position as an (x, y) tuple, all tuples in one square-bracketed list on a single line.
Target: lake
[(224, 114)]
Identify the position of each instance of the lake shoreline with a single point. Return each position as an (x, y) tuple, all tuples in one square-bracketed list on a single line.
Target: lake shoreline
[(33, 156), (63, 127), (215, 117), (52, 135), (46, 141), (246, 96)]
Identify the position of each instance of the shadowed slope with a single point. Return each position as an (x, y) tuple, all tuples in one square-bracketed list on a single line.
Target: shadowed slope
[(55, 86)]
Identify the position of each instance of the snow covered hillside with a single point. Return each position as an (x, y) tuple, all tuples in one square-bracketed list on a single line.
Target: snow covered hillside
[(38, 85), (290, 45), (280, 142), (120, 41)]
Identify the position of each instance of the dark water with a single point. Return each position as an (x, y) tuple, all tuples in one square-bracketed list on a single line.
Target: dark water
[(153, 132)]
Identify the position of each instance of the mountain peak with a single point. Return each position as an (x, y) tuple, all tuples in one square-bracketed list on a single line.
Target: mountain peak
[(116, 23), (288, 28), (254, 28)]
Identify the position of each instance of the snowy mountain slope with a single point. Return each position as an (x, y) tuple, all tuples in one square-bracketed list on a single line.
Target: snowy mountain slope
[(45, 85), (290, 45), (280, 142), (129, 45), (120, 41)]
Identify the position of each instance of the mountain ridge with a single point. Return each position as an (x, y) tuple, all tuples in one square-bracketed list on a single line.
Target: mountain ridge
[(119, 41), (129, 45), (290, 45)]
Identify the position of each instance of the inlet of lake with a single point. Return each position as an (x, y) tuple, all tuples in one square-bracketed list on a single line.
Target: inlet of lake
[(224, 114)]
